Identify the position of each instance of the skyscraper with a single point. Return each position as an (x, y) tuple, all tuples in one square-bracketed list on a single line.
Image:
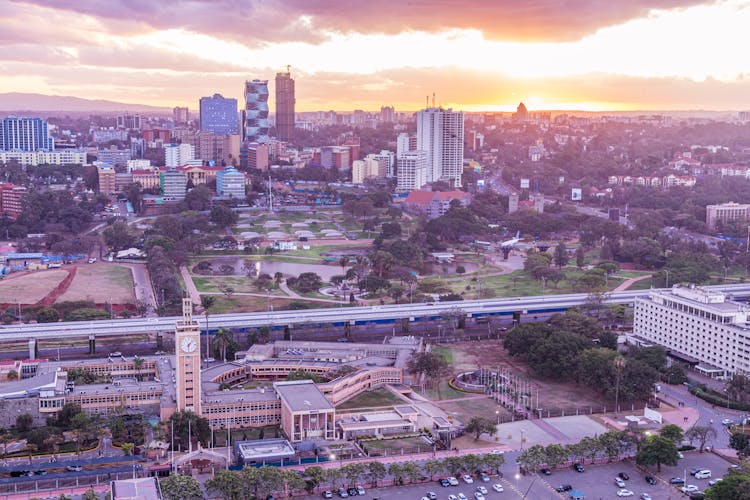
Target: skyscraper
[(284, 106), (180, 114), (218, 115), (440, 132), (255, 119), (25, 134), (411, 171)]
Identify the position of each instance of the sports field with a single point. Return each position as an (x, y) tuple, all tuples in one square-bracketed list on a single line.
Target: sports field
[(101, 283), (30, 288)]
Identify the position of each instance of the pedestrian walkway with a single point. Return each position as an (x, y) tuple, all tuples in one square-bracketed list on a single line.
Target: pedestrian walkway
[(630, 282), (549, 429)]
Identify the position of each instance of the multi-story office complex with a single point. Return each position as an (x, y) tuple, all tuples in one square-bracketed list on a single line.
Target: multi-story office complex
[(284, 106), (11, 200), (218, 115), (440, 133), (230, 183), (114, 156), (176, 155), (217, 148), (182, 115), (34, 158), (726, 212), (130, 122), (411, 170), (698, 326), (255, 115), (25, 134), (371, 167), (338, 157), (173, 184), (255, 156)]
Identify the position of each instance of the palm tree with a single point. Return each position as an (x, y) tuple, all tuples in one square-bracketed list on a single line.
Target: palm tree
[(5, 438), (222, 340), (138, 364), (31, 448), (207, 302)]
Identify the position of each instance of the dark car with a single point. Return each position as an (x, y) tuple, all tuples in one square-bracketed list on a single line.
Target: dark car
[(650, 479), (545, 471), (698, 495), (695, 470), (578, 467), (40, 472), (677, 480), (444, 483), (563, 488), (342, 493), (352, 492), (623, 476)]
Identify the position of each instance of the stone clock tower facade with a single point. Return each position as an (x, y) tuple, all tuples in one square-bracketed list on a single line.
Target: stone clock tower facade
[(188, 357)]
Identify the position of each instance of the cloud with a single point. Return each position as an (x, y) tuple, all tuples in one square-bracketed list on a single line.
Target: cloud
[(259, 21)]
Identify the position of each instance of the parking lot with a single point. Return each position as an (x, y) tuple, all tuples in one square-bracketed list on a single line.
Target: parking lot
[(597, 482)]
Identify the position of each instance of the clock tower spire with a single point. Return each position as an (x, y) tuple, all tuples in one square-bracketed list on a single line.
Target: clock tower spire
[(188, 357)]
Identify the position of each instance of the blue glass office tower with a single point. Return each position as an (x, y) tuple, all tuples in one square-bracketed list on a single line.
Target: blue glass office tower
[(25, 134), (218, 115)]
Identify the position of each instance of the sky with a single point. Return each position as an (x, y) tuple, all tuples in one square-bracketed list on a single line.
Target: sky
[(475, 55)]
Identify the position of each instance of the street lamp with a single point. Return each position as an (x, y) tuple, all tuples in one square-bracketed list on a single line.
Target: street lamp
[(522, 438)]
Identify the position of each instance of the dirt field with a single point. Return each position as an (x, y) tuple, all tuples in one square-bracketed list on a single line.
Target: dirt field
[(490, 354), (101, 283), (30, 288)]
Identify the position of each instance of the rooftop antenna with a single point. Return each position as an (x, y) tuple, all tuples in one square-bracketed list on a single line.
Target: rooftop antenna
[(433, 99), (427, 101), (288, 68)]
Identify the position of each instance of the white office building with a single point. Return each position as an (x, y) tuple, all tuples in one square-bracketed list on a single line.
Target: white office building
[(177, 155), (411, 171), (440, 132), (698, 326)]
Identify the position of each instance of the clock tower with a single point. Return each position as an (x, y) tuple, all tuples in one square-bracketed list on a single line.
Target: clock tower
[(188, 357)]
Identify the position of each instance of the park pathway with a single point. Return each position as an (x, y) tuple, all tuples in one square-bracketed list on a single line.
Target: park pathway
[(629, 282), (195, 295)]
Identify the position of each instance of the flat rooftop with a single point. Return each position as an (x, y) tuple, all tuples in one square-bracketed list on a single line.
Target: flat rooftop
[(264, 448), (145, 488), (238, 396), (302, 395)]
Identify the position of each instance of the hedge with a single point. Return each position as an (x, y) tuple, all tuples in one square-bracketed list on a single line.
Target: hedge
[(716, 398)]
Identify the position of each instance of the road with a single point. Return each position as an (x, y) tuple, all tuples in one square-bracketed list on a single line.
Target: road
[(336, 316)]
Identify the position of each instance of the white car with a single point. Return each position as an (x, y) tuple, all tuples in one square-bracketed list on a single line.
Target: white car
[(645, 496), (619, 482), (478, 496), (497, 487), (360, 490), (452, 497), (690, 488), (461, 496), (714, 481), (703, 474), (431, 495), (482, 490), (496, 452), (467, 479), (680, 455), (624, 493), (727, 421), (453, 481)]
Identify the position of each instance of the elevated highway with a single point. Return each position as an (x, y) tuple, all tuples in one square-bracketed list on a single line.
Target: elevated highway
[(330, 316)]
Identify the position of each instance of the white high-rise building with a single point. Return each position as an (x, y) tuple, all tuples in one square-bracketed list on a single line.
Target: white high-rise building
[(405, 143), (440, 132), (411, 171), (177, 155), (697, 325)]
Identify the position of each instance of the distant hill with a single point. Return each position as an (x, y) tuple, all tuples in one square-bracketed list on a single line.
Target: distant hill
[(35, 103)]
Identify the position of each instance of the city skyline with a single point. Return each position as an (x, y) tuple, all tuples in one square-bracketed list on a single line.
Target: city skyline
[(481, 56)]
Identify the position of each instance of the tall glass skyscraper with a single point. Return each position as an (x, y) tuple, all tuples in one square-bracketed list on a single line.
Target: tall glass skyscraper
[(284, 106), (256, 111), (25, 134), (218, 115)]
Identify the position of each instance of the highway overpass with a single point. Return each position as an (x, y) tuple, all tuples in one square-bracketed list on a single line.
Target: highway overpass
[(331, 316)]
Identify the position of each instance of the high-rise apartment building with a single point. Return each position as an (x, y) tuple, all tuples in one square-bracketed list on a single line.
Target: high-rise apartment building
[(255, 156), (106, 175), (217, 148), (176, 155), (180, 114), (230, 183), (405, 143), (255, 115), (284, 106), (411, 170), (387, 114), (440, 133), (130, 122), (25, 134), (218, 115)]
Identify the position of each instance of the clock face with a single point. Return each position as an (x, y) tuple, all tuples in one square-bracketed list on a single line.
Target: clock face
[(188, 345)]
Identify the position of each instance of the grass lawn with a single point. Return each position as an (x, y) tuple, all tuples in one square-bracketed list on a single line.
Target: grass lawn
[(406, 443), (444, 391), (375, 397), (445, 352), (238, 283), (481, 407), (248, 303)]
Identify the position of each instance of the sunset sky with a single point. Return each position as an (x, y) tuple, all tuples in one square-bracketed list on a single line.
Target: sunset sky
[(361, 54)]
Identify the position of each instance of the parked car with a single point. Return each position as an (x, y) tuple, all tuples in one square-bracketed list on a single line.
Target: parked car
[(361, 491), (453, 481), (619, 482), (352, 492), (703, 474), (563, 488), (545, 471), (452, 497), (482, 490), (677, 480), (467, 479), (623, 475), (478, 496), (445, 483), (646, 496), (431, 495), (689, 488), (327, 494), (484, 477), (74, 468), (578, 467), (727, 421), (624, 493), (497, 487), (650, 479), (461, 496), (714, 481), (342, 493)]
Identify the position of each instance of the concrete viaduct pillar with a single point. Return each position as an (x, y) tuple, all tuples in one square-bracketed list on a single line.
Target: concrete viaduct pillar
[(92, 344), (33, 349)]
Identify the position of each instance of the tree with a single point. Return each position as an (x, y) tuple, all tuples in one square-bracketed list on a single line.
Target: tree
[(47, 315), (198, 198), (223, 216), (24, 422), (555, 455), (738, 388), (179, 487), (479, 426), (675, 375), (90, 495), (314, 477), (533, 457), (222, 340), (672, 432), (580, 257), (188, 422), (702, 434), (410, 471), (375, 472), (735, 486), (657, 450), (353, 472), (305, 282), (118, 236), (561, 255), (430, 365), (396, 471), (12, 375), (741, 443), (433, 468), (611, 444)]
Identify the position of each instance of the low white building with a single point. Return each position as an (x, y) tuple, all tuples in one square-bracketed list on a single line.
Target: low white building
[(694, 323)]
